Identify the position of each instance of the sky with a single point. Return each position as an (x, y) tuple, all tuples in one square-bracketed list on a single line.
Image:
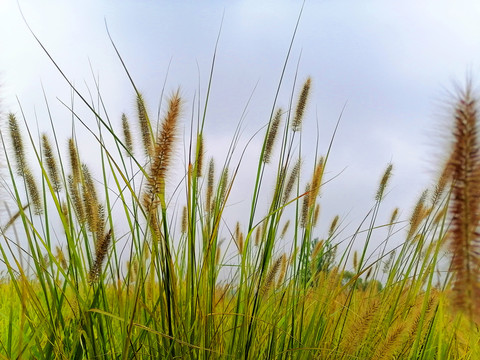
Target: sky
[(392, 65)]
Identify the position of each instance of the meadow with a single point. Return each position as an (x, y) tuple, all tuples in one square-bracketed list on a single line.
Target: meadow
[(77, 285)]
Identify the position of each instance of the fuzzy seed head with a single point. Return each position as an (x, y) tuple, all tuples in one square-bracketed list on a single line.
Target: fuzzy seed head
[(301, 105), (394, 216), (333, 226), (383, 182), (316, 215), (145, 126), (74, 161), (210, 183), (284, 230), (200, 153), (100, 255), (271, 275), (33, 192), (272, 135), (76, 199), (184, 220), (60, 255), (291, 181), (464, 165), (52, 166), (417, 215), (127, 135), (305, 207), (162, 156), (17, 143)]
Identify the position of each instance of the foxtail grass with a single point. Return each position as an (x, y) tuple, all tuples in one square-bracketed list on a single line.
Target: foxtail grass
[(121, 259)]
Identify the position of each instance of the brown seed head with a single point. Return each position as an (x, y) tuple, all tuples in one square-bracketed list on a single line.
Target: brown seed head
[(100, 255), (464, 165), (163, 152)]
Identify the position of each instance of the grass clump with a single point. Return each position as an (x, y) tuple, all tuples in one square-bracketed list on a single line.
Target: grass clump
[(112, 264)]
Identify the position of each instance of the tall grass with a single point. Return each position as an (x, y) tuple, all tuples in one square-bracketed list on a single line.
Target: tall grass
[(109, 265)]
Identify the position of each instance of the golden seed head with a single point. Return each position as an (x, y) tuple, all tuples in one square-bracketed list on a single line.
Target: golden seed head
[(316, 215), (100, 221), (394, 216), (271, 275), (76, 199), (210, 183), (383, 182), (184, 220), (223, 185), (301, 105), (145, 126), (127, 135), (272, 135), (258, 235), (61, 257), (90, 200), (51, 161), (238, 238), (74, 161), (305, 207), (283, 269), (33, 192), (316, 182), (291, 181), (240, 243), (284, 230), (333, 226), (218, 252), (317, 248), (417, 215), (17, 143)]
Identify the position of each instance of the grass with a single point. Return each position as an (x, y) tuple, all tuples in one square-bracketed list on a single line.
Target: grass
[(112, 265)]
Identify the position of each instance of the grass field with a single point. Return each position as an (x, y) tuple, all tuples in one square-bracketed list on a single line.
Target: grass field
[(138, 275)]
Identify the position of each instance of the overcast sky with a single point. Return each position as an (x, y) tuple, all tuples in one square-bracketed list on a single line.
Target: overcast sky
[(391, 63)]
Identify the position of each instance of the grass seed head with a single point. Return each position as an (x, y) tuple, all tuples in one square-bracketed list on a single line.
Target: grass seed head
[(291, 181), (17, 143), (127, 135), (145, 126), (200, 154), (33, 192), (383, 182), (100, 255), (210, 183), (305, 206), (301, 105), (52, 166), (284, 229), (272, 135), (74, 161), (162, 155), (464, 165)]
